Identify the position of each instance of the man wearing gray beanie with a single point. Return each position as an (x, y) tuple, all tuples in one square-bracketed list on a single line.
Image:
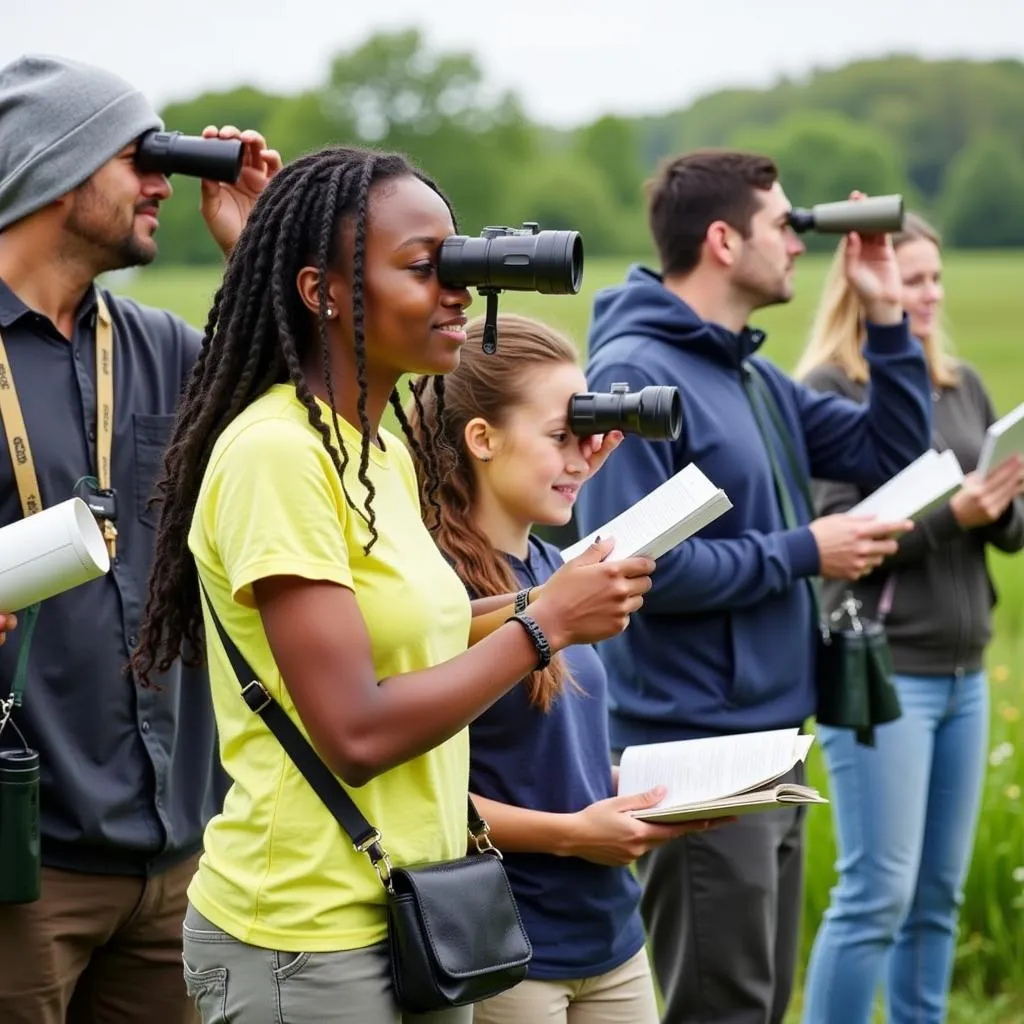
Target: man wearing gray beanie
[(129, 775)]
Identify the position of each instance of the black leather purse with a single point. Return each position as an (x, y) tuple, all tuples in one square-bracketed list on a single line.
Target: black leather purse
[(854, 664), (454, 930)]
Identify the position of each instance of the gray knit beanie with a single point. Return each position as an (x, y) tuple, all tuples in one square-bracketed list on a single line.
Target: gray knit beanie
[(60, 121)]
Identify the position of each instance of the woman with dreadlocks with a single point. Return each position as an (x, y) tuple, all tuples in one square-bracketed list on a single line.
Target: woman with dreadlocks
[(302, 516)]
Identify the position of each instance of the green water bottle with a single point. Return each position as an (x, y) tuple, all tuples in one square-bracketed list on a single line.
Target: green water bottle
[(20, 866)]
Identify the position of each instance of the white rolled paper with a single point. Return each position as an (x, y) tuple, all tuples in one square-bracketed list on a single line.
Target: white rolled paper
[(50, 552)]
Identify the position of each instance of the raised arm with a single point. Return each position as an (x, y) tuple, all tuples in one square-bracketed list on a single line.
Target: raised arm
[(868, 443), (290, 559), (698, 575)]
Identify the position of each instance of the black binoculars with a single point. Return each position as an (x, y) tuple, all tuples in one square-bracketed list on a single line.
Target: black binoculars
[(872, 215), (174, 153), (654, 412), (20, 864), (522, 259)]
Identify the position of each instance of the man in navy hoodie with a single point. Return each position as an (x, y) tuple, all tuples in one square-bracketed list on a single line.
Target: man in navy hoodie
[(725, 642)]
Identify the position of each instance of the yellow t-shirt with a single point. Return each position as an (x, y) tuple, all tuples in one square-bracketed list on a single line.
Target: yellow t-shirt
[(277, 871)]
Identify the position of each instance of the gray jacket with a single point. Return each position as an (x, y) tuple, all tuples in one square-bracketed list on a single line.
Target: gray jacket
[(941, 616)]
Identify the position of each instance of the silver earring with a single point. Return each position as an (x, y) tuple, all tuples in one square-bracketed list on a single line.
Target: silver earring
[(330, 312), (485, 458)]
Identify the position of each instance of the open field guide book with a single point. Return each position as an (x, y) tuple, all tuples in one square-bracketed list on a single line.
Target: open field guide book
[(928, 481), (718, 776), (677, 509)]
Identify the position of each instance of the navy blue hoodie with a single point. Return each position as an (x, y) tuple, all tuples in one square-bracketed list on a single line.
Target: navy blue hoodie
[(725, 641)]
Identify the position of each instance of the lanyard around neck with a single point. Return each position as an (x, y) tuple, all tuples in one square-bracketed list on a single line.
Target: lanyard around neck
[(17, 436)]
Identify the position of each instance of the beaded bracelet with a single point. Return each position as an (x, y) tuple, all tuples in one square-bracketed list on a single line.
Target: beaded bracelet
[(536, 635)]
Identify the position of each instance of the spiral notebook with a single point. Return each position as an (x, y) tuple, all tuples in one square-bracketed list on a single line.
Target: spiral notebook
[(677, 509)]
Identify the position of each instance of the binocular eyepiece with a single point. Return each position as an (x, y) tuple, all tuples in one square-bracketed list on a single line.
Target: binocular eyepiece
[(514, 259), (174, 153), (873, 215), (654, 412)]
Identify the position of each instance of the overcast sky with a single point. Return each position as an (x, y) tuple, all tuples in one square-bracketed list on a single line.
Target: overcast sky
[(569, 60)]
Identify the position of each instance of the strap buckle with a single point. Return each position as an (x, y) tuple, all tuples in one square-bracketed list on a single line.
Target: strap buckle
[(373, 837), (255, 695), (6, 706), (382, 863), (482, 839)]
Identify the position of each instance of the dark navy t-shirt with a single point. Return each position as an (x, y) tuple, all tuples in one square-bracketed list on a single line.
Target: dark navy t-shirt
[(581, 917)]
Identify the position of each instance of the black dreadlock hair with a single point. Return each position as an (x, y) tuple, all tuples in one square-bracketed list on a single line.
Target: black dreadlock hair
[(257, 334)]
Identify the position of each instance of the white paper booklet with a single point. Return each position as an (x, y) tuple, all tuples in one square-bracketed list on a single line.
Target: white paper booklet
[(718, 776), (1004, 438), (659, 521), (928, 481)]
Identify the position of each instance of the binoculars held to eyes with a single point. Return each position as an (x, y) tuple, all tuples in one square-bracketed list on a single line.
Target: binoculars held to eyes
[(174, 153), (514, 259), (522, 259), (654, 412), (873, 215)]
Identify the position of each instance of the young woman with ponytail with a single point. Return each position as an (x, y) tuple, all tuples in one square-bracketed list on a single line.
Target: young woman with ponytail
[(540, 768)]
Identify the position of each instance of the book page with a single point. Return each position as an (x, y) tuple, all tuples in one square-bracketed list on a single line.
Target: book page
[(733, 806), (662, 512), (713, 767), (1003, 438), (929, 479)]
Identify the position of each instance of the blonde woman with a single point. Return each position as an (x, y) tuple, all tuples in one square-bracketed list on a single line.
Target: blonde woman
[(905, 810)]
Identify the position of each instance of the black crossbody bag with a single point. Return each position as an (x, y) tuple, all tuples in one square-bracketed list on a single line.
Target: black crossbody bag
[(854, 664), (454, 930)]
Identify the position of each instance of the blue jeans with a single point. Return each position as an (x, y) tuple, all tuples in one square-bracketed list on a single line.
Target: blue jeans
[(905, 813)]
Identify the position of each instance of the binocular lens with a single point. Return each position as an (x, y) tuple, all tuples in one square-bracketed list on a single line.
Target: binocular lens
[(549, 262), (654, 412), (192, 155)]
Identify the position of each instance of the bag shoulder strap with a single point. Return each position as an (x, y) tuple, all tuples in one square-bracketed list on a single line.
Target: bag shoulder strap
[(365, 838), (760, 398), (764, 392), (799, 475)]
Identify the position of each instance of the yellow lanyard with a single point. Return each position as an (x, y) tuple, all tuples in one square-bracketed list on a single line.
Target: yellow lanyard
[(17, 436)]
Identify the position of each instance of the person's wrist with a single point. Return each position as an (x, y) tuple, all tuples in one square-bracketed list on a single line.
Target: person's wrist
[(537, 637), (960, 508), (548, 621), (883, 312), (567, 840)]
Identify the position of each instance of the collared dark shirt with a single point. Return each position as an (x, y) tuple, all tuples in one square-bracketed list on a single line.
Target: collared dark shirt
[(129, 775)]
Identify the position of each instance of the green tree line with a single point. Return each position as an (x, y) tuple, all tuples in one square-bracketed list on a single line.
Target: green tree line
[(947, 134)]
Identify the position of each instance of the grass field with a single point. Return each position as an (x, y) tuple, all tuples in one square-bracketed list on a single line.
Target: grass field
[(983, 307)]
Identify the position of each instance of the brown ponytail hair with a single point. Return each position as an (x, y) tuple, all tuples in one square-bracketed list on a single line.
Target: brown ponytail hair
[(488, 387)]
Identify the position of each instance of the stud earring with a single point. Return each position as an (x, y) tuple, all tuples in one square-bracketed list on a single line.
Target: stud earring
[(485, 458), (330, 312)]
